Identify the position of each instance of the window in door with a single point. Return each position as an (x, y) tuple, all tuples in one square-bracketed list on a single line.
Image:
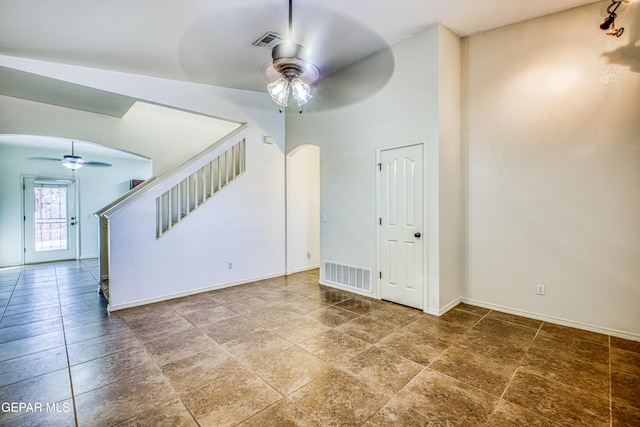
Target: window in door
[(50, 217)]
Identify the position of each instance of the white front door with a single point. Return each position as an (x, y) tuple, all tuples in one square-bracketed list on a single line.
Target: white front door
[(400, 195), (49, 220)]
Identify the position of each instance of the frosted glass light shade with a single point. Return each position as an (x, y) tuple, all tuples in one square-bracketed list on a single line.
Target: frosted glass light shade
[(279, 91), (301, 91)]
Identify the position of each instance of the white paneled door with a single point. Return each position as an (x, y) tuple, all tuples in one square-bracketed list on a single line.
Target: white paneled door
[(49, 220), (400, 225)]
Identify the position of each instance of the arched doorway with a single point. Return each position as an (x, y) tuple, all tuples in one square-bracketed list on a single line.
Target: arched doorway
[(303, 208)]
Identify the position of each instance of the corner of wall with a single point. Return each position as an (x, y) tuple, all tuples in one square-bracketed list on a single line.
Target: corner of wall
[(450, 168)]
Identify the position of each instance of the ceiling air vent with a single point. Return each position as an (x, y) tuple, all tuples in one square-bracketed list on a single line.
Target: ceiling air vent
[(269, 40)]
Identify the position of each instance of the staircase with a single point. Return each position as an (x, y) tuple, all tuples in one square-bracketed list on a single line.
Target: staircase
[(175, 204), (134, 228)]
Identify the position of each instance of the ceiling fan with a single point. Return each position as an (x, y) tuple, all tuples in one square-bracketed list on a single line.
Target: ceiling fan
[(73, 162), (317, 49), (288, 60)]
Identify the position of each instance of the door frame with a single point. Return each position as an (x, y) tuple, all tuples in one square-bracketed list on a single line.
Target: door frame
[(425, 222), (76, 199)]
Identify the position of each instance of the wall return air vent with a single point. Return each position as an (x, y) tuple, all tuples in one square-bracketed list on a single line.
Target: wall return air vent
[(350, 276)]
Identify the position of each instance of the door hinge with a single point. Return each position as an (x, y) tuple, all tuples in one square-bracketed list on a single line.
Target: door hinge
[(380, 221), (25, 250), (381, 274), (24, 218), (379, 166)]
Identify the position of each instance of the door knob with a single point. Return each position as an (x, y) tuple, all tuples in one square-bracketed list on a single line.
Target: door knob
[(418, 235)]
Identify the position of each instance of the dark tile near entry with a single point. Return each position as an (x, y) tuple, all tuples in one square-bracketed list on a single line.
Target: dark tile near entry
[(32, 365), (47, 313), (47, 388), (42, 327), (23, 347)]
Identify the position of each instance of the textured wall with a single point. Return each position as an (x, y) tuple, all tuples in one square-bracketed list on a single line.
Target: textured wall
[(553, 135)]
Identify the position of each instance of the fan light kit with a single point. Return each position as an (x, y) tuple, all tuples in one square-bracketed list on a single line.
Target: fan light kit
[(609, 23), (294, 71)]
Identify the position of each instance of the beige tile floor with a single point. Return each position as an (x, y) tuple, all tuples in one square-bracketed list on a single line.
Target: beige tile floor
[(289, 352)]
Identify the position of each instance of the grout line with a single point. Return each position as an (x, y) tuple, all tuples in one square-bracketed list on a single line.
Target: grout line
[(13, 290), (66, 349), (610, 386)]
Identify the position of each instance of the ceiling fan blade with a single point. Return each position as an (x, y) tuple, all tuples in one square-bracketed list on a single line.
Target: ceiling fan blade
[(353, 84), (332, 42), (96, 164), (44, 158)]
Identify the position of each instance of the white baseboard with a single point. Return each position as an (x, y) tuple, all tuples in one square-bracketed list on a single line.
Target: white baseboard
[(138, 303), (300, 270), (444, 309), (555, 320)]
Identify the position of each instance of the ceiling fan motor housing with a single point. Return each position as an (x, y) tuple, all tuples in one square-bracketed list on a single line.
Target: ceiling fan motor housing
[(288, 60)]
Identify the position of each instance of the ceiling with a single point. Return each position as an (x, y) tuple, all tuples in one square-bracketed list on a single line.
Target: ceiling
[(210, 41), (20, 84)]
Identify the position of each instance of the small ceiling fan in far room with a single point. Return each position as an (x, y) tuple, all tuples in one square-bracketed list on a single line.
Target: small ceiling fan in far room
[(71, 161)]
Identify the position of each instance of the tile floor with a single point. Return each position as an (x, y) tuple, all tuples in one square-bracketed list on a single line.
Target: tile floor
[(288, 352)]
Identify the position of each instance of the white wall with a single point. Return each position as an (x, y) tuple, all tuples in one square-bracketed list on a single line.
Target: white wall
[(97, 187), (553, 137), (303, 208), (404, 111)]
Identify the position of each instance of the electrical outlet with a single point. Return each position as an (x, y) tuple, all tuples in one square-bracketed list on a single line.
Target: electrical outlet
[(540, 289), (230, 266), (308, 253)]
